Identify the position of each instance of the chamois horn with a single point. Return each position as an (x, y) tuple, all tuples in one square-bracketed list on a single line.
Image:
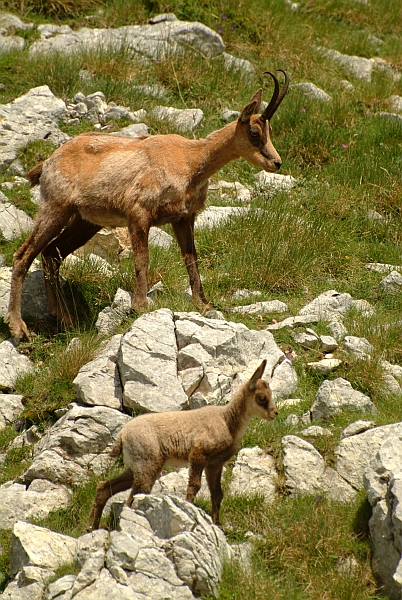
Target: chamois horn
[(276, 96)]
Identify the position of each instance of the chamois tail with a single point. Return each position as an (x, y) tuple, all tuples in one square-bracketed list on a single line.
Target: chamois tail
[(117, 448), (34, 174)]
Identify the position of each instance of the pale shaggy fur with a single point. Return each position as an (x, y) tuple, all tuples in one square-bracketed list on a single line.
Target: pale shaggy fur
[(97, 180), (205, 438)]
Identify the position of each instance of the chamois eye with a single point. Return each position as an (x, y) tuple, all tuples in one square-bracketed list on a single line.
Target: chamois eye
[(261, 399), (254, 133)]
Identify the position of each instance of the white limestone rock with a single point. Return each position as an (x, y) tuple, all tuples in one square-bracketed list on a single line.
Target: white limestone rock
[(307, 340), (293, 322), (307, 473), (254, 473), (13, 221), (275, 181), (338, 330), (18, 503), (354, 453), (357, 427), (312, 91), (329, 306), (147, 364), (315, 431), (324, 366), (358, 346), (382, 267), (213, 216), (98, 382), (10, 407), (185, 120), (336, 396), (12, 364), (261, 307), (328, 343), (284, 380), (77, 445), (392, 283)]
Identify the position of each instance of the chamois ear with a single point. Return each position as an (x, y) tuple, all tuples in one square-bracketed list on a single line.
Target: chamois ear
[(257, 375), (252, 107)]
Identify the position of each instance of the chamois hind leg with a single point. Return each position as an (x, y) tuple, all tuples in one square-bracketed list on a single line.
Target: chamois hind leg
[(77, 233), (144, 478), (48, 225), (213, 475), (184, 232), (138, 225), (104, 491)]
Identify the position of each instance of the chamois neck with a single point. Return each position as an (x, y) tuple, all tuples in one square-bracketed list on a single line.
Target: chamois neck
[(217, 149), (236, 414)]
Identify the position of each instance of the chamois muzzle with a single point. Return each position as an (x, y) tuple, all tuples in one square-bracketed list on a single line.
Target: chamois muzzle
[(277, 96)]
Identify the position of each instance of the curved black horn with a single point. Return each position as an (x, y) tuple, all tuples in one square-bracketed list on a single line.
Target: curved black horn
[(269, 111), (276, 97)]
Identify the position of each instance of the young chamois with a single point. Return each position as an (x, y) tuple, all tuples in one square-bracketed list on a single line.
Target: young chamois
[(100, 180), (205, 438)]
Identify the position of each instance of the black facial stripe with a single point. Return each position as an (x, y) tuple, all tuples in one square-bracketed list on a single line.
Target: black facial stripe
[(255, 140)]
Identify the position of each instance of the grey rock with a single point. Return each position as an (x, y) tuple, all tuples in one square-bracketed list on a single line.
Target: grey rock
[(306, 340), (292, 420), (382, 267), (275, 181), (364, 308), (147, 364), (214, 216), (29, 117), (185, 120), (230, 115), (325, 366), (244, 293), (383, 484), (10, 21), (354, 453), (12, 364), (39, 547), (357, 427), (293, 322), (238, 64), (307, 473), (77, 445), (396, 103), (392, 283), (329, 306), (10, 407), (395, 370), (98, 382), (135, 130), (315, 431), (157, 41), (27, 438), (391, 386), (161, 239), (358, 346), (18, 503), (112, 316), (284, 380), (338, 330), (328, 343), (261, 307), (312, 91), (175, 484), (13, 221), (336, 396), (254, 473), (10, 43), (358, 67)]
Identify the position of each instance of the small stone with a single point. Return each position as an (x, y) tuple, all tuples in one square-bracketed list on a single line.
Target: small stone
[(328, 343), (325, 366), (392, 283), (356, 428), (315, 431), (292, 420), (305, 339), (358, 346)]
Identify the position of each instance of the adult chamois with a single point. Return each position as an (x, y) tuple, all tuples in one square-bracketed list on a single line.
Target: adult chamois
[(100, 180), (205, 438)]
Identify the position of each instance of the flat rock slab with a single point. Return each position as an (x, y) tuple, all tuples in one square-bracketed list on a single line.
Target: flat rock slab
[(307, 473), (336, 396), (157, 41), (12, 364), (77, 445), (17, 503), (259, 308), (185, 120), (213, 216)]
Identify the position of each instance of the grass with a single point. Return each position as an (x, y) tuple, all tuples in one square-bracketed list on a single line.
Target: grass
[(293, 246)]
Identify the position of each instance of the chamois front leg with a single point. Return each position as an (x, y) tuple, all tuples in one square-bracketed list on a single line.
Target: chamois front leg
[(184, 232), (104, 491), (138, 226), (197, 463), (213, 475)]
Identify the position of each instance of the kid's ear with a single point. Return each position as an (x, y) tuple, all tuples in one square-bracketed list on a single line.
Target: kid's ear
[(257, 375), (252, 107)]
